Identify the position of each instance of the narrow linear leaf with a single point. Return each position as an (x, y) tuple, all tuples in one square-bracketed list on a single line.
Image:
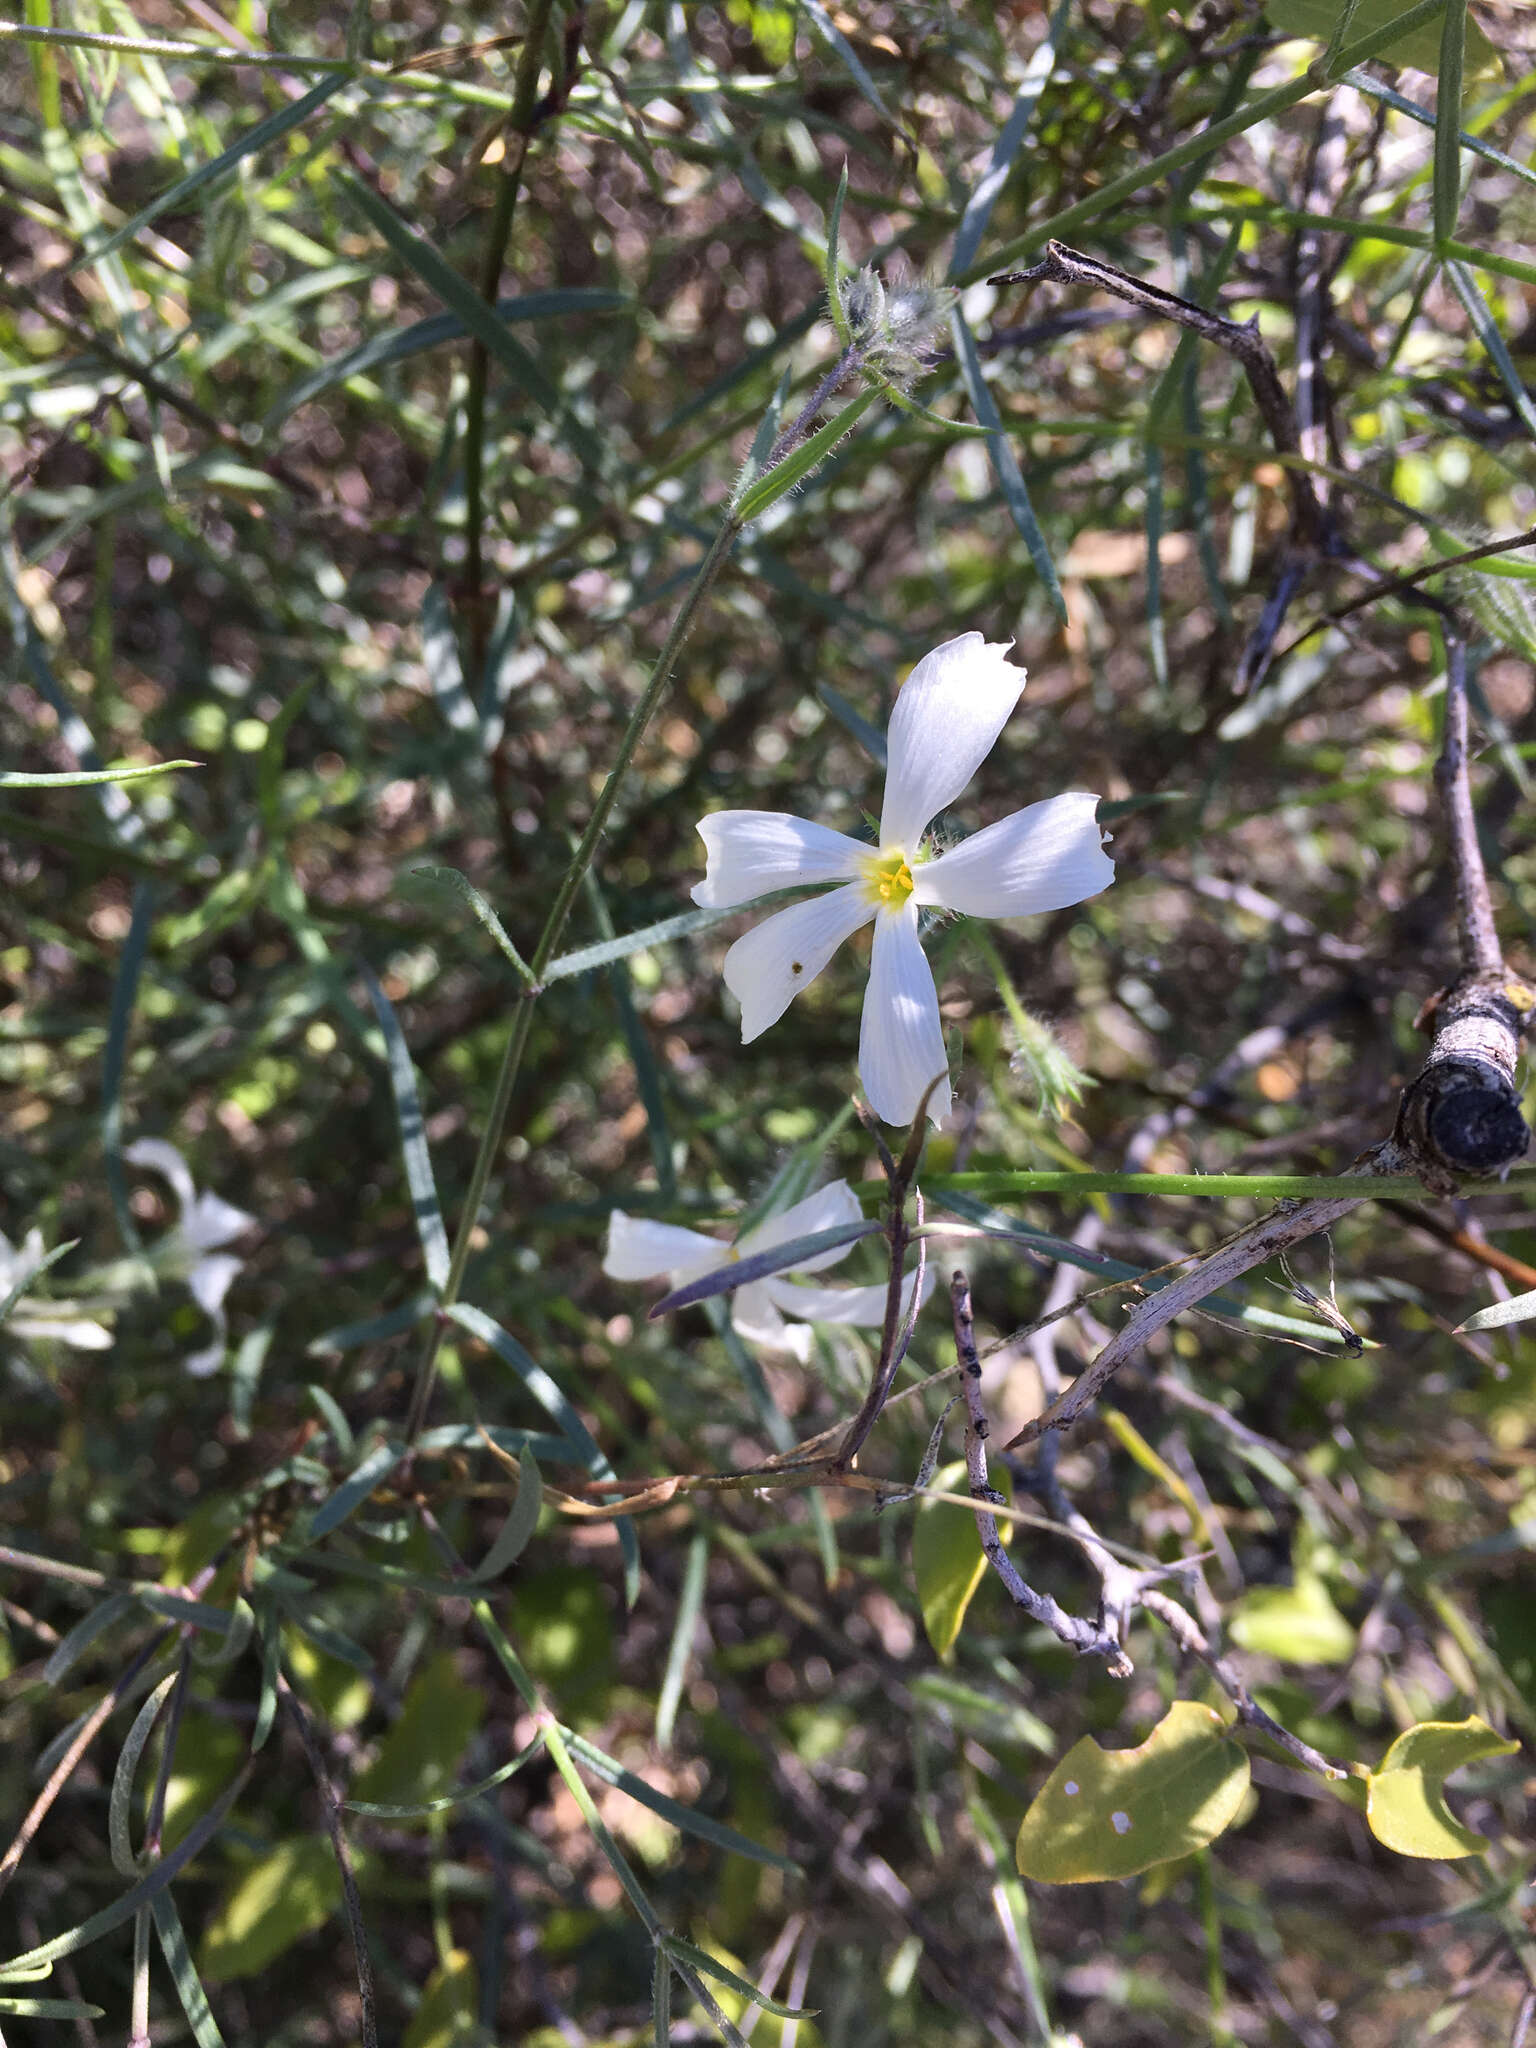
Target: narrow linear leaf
[(50, 2009), (682, 926), (869, 737), (1447, 168), (373, 1329), (119, 1838), (175, 196), (978, 208), (833, 36), (795, 467), (1518, 1309), (414, 1150), (83, 778), (1005, 463), (740, 1272), (686, 1952), (31, 1272), (690, 1600), (554, 1403), (178, 1960), (375, 1811), (450, 878), (512, 1537), (149, 1887), (479, 319), (84, 1633), (125, 990), (401, 343), (352, 1492), (691, 1822)]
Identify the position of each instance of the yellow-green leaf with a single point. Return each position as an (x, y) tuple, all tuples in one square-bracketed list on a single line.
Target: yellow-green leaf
[(947, 1563), (1420, 47), (1405, 1799), (419, 1758), (275, 1901), (1298, 1623), (449, 2012), (1112, 1813)]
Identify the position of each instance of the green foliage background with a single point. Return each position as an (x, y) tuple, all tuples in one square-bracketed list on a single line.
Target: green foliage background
[(239, 527)]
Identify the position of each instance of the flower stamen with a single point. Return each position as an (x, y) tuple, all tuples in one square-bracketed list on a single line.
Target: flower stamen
[(888, 879)]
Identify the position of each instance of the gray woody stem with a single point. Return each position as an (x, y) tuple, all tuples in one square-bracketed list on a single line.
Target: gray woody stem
[(1459, 1116), (1088, 1638)]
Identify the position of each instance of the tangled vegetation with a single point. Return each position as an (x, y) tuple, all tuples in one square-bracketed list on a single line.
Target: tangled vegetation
[(448, 453)]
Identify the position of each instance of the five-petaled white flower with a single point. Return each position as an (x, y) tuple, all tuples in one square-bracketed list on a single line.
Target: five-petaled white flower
[(641, 1250), (948, 715), (190, 1251)]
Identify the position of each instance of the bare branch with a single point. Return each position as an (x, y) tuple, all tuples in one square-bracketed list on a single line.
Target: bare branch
[(1088, 1638)]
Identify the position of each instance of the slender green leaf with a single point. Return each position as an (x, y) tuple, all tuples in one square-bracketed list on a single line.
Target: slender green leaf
[(1518, 1309), (80, 1638), (376, 1811), (430, 1227), (119, 1839), (690, 1600), (512, 1538), (350, 1495), (399, 344), (19, 1287), (125, 990), (1447, 174), (450, 878), (80, 778), (796, 466), (1005, 463), (178, 1960), (686, 1818), (207, 176), (149, 1886), (701, 1959), (978, 208), (779, 1257), (480, 320)]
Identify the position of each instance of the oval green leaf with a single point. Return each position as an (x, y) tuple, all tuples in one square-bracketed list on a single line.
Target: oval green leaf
[(1405, 1800), (449, 2012), (1298, 1623), (947, 1563), (1113, 1813)]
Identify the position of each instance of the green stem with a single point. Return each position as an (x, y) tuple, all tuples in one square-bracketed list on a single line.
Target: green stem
[(518, 129), (549, 938)]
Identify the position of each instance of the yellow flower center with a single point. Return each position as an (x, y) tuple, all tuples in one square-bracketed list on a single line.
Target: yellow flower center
[(888, 879)]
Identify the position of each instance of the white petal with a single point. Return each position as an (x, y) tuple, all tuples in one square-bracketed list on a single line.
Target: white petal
[(1041, 858), (752, 853), (948, 715), (767, 968), (754, 1317), (211, 1221), (211, 1357), (639, 1249), (834, 1204), (80, 1331), (164, 1158), (211, 1279), (901, 1041), (861, 1306)]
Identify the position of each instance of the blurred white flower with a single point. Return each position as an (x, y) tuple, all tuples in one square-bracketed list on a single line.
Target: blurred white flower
[(947, 718), (190, 1251), (641, 1250), (35, 1318)]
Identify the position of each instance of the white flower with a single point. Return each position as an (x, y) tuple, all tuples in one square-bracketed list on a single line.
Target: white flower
[(947, 718), (642, 1250), (34, 1318), (189, 1251)]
